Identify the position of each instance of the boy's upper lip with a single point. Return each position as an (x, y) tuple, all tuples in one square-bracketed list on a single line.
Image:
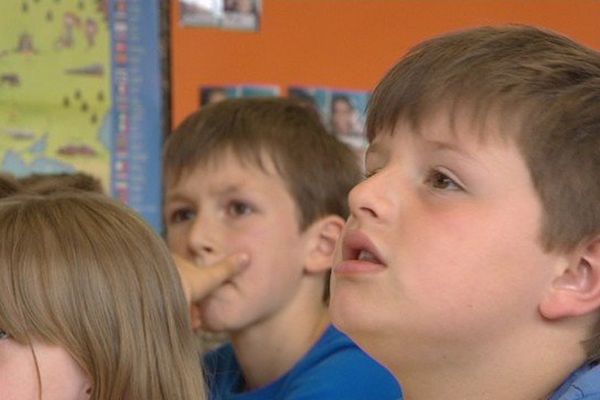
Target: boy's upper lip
[(356, 242)]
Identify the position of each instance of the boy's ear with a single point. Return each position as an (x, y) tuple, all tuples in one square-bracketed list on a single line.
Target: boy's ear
[(576, 290), (323, 235)]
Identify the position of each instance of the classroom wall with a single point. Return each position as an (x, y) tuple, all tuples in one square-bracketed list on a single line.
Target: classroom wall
[(344, 43)]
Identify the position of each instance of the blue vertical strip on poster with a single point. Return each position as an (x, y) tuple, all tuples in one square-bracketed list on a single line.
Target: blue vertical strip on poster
[(137, 108)]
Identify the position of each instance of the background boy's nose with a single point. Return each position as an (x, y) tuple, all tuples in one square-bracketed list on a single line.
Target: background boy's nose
[(201, 241)]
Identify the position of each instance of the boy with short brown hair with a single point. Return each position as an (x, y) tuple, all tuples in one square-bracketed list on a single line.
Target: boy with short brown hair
[(470, 264), (263, 177)]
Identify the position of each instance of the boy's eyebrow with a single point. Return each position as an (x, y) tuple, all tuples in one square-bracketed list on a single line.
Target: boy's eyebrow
[(227, 190)]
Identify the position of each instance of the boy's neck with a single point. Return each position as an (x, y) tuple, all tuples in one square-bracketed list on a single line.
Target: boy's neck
[(268, 350), (530, 369)]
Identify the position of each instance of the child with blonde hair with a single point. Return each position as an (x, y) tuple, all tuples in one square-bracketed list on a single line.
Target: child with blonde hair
[(91, 305)]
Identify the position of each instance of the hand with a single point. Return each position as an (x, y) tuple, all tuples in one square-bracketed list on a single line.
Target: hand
[(199, 281)]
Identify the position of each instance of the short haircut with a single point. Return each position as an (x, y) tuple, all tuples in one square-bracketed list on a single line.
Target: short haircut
[(8, 185), (542, 85), (51, 183), (319, 171), (80, 271)]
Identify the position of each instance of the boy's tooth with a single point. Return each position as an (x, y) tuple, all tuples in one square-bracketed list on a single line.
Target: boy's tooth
[(366, 256)]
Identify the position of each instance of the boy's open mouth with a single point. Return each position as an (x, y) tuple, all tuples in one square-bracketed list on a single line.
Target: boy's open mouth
[(357, 247)]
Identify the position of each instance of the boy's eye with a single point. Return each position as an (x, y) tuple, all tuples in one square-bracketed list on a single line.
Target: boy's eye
[(238, 208), (181, 215), (3, 335), (441, 181)]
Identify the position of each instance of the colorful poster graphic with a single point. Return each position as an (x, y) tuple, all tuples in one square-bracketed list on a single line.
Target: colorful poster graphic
[(55, 88), (80, 91)]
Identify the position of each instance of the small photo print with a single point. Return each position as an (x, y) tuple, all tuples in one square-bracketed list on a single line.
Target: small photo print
[(242, 14), (214, 93), (314, 97), (201, 12), (258, 91), (347, 115)]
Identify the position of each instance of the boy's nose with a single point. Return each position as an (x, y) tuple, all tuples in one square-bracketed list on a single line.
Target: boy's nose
[(201, 241), (370, 199)]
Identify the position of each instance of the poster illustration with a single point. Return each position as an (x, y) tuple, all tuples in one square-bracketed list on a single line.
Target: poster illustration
[(80, 91)]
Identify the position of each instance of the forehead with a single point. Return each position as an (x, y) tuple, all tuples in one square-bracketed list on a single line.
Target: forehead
[(455, 121), (227, 172), (458, 129), (230, 158)]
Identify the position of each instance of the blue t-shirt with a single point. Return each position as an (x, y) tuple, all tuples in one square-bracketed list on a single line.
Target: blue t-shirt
[(583, 384), (334, 368)]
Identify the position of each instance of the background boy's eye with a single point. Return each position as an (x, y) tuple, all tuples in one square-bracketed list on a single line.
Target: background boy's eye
[(181, 215), (236, 208), (3, 335), (439, 180)]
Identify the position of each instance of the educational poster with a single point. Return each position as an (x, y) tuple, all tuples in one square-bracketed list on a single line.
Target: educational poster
[(80, 91), (226, 14), (55, 92), (213, 93)]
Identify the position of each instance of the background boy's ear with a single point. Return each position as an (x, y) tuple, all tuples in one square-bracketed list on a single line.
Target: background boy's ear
[(321, 240), (576, 290)]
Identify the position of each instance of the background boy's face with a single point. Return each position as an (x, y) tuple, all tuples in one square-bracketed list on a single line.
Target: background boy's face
[(226, 207), (454, 261)]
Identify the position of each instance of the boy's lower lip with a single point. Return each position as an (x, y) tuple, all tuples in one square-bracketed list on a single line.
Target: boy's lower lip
[(355, 267)]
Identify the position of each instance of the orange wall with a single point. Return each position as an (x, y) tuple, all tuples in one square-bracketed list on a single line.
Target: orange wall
[(345, 43)]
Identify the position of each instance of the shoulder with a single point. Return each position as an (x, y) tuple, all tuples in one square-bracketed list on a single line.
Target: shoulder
[(337, 368), (583, 384)]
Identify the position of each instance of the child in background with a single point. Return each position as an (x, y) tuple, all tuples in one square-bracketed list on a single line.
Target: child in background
[(91, 306), (263, 177), (470, 264)]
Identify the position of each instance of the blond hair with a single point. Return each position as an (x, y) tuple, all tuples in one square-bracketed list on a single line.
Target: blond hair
[(81, 271)]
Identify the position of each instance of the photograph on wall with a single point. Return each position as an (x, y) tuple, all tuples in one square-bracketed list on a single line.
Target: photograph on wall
[(201, 12), (80, 92), (214, 93), (347, 115), (242, 14), (315, 97)]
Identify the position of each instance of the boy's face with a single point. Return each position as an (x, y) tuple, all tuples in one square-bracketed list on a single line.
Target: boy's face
[(441, 252), (227, 207)]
